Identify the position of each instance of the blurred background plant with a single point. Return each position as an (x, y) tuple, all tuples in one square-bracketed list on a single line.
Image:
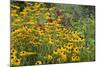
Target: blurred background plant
[(51, 33)]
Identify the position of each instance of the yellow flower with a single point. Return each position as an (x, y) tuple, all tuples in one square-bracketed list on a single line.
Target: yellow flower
[(41, 32), (50, 40), (82, 39), (64, 36), (23, 13), (75, 58), (17, 31), (76, 50), (76, 40), (58, 50), (23, 53), (69, 46), (55, 52), (38, 62), (65, 30), (58, 25), (75, 32), (61, 50), (58, 28), (75, 36), (49, 57), (63, 56), (17, 61), (40, 29), (13, 57), (47, 30), (13, 51)]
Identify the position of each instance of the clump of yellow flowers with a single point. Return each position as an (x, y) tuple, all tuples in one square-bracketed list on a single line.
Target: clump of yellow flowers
[(38, 37)]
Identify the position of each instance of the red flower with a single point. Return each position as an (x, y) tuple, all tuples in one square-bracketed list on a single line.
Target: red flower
[(50, 20), (40, 26)]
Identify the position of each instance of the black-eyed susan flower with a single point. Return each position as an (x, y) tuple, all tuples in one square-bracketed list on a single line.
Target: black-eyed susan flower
[(13, 57), (55, 52), (58, 50), (63, 49), (50, 40), (38, 62), (41, 32), (50, 21), (58, 29), (69, 46), (76, 50), (13, 51), (23, 13), (73, 58), (23, 53), (63, 56), (49, 57), (75, 36), (77, 58), (17, 61)]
